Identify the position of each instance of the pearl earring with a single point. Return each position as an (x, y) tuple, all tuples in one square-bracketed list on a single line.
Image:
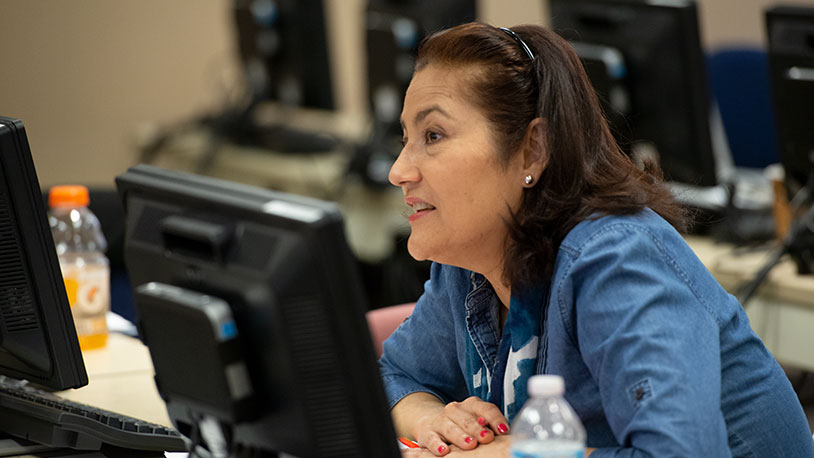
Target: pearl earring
[(529, 179)]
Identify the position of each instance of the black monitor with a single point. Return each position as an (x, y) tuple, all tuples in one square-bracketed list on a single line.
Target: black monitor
[(38, 340), (255, 318), (791, 66), (647, 64), (393, 31), (283, 48), (283, 45)]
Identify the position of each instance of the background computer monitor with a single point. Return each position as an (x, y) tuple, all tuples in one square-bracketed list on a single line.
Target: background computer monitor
[(393, 31), (647, 63), (283, 47), (279, 266), (37, 336), (791, 65), (284, 50)]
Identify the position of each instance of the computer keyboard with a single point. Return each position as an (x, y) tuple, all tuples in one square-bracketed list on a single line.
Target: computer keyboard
[(39, 416)]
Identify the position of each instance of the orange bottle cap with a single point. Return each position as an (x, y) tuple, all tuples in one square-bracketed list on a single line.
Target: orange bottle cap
[(68, 196)]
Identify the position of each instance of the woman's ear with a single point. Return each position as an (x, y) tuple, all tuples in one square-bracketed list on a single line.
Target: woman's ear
[(535, 152)]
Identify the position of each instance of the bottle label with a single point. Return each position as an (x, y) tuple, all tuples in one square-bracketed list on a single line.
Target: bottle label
[(88, 289)]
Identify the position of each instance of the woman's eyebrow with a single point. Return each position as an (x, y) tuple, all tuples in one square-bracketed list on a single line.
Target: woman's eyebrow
[(424, 113)]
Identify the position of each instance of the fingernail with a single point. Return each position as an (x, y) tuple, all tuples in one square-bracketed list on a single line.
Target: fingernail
[(468, 439), (481, 421), (441, 449), (484, 432), (502, 428)]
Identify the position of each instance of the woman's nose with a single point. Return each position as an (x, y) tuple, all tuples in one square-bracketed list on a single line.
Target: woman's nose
[(403, 171)]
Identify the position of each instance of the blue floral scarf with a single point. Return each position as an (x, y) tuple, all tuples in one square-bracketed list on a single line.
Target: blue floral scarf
[(505, 383)]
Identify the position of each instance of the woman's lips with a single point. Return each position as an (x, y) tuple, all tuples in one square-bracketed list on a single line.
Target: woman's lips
[(420, 214), (420, 208)]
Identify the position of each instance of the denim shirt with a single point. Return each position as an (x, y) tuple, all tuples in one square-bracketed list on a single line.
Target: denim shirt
[(658, 359)]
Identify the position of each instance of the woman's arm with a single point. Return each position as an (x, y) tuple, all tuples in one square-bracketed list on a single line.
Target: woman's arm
[(651, 344), (422, 375)]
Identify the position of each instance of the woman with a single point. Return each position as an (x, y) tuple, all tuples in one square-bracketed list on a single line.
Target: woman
[(553, 253)]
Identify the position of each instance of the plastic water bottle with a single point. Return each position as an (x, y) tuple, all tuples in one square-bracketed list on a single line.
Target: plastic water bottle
[(81, 249), (547, 426)]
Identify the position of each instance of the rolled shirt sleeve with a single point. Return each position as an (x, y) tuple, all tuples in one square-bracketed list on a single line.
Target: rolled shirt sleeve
[(421, 355)]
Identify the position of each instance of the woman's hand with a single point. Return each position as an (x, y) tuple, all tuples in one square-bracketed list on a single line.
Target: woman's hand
[(463, 425), (497, 448)]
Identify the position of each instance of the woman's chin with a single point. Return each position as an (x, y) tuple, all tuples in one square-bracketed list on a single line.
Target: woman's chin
[(417, 249)]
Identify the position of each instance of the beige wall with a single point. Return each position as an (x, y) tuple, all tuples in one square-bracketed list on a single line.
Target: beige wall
[(84, 75), (87, 76)]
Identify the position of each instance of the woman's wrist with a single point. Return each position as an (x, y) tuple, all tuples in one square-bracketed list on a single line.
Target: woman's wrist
[(411, 409)]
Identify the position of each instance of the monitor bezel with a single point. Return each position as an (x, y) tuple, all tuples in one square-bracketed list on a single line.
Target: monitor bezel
[(67, 367), (315, 221), (704, 170)]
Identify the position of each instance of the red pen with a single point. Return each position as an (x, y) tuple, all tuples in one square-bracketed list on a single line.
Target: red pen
[(408, 442)]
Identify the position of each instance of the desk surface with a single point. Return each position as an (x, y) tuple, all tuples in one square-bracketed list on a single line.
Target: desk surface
[(120, 379)]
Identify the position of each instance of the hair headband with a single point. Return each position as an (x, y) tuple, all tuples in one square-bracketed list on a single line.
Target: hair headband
[(519, 41)]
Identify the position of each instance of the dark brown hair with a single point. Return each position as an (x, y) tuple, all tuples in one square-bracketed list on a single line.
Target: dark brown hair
[(587, 174)]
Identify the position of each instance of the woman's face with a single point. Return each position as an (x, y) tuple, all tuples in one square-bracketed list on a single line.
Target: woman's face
[(449, 169)]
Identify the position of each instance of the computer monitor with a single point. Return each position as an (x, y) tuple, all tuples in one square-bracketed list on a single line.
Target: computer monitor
[(393, 31), (284, 49), (646, 62), (791, 65), (254, 315), (38, 340)]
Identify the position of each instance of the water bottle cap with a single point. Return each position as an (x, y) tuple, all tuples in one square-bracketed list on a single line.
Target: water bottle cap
[(68, 196), (546, 385)]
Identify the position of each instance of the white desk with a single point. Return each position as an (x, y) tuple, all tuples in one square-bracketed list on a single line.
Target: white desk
[(120, 379)]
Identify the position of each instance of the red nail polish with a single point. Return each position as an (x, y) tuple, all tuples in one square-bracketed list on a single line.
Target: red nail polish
[(442, 449), (502, 428), (468, 439), (481, 421), (484, 432)]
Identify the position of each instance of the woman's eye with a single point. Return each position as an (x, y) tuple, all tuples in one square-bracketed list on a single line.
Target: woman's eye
[(403, 142), (433, 137)]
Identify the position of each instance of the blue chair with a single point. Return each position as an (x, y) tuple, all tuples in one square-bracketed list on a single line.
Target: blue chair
[(739, 83)]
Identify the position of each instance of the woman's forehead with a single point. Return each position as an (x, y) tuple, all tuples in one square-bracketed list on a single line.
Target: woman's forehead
[(438, 85)]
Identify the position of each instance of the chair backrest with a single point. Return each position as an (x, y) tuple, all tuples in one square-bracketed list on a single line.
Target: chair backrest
[(382, 322), (739, 82)]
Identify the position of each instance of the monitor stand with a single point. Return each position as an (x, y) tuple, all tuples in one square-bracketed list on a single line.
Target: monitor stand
[(237, 125)]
